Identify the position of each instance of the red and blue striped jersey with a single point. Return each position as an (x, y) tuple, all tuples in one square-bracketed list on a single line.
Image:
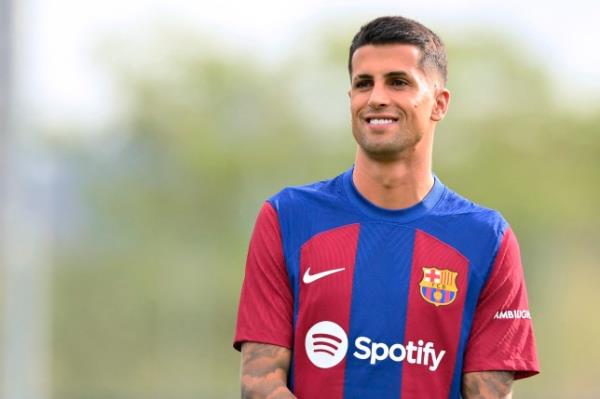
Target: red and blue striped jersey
[(379, 303)]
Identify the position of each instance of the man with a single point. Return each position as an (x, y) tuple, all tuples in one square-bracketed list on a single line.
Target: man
[(382, 282)]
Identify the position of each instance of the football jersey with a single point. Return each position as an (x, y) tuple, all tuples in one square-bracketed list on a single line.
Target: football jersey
[(380, 303)]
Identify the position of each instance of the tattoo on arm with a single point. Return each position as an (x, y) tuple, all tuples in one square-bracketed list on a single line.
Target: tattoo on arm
[(487, 385), (264, 371)]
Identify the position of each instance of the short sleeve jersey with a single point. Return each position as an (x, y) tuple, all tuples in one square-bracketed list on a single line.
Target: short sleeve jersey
[(379, 303)]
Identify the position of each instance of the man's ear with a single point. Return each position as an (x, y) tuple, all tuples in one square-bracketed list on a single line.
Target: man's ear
[(440, 106)]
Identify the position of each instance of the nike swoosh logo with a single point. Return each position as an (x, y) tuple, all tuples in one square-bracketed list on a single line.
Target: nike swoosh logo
[(310, 278)]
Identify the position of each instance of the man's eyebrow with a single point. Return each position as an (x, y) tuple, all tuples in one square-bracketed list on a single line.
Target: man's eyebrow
[(363, 76), (392, 74), (397, 74)]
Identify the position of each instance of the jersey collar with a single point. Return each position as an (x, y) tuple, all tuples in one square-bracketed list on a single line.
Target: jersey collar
[(397, 215)]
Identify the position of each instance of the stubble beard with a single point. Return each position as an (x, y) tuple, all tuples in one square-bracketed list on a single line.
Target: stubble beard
[(400, 146)]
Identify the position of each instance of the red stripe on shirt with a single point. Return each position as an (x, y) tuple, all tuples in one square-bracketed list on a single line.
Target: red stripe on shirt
[(425, 321), (325, 299)]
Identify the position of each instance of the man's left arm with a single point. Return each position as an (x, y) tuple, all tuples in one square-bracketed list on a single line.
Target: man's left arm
[(487, 385), (501, 346)]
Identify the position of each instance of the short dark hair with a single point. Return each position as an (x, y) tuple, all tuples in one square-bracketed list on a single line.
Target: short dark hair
[(400, 30)]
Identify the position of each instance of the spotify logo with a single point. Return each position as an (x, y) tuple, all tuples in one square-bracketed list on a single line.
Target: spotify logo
[(326, 344)]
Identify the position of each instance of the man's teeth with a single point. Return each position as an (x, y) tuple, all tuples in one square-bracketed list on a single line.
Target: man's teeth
[(380, 121)]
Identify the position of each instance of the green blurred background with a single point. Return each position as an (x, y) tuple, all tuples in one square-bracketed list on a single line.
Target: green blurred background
[(151, 215)]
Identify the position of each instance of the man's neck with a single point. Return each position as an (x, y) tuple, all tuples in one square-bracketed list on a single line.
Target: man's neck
[(392, 185)]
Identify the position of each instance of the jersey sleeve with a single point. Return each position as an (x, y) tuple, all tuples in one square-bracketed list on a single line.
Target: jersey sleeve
[(502, 335), (266, 304)]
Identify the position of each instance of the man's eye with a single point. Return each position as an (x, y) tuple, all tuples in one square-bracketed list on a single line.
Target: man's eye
[(398, 82), (362, 84)]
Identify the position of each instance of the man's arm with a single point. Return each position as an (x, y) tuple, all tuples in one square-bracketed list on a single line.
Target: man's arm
[(487, 385), (264, 371)]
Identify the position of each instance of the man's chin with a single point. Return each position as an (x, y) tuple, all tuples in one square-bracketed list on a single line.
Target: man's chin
[(387, 153), (381, 149)]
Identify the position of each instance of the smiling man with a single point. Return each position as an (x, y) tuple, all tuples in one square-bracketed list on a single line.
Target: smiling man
[(382, 282)]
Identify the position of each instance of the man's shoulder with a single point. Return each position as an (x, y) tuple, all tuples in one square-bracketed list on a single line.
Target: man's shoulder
[(308, 194), (472, 214)]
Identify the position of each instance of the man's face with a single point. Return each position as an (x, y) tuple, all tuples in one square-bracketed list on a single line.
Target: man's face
[(392, 100)]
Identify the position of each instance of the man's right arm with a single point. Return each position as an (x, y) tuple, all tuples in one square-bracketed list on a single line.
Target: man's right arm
[(264, 371)]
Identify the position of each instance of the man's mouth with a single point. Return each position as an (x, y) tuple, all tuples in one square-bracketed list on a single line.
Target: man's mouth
[(380, 121), (375, 121)]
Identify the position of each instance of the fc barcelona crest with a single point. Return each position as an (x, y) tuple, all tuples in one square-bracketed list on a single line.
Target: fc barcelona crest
[(438, 286)]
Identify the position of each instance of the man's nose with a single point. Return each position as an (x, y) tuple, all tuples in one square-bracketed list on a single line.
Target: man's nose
[(379, 96)]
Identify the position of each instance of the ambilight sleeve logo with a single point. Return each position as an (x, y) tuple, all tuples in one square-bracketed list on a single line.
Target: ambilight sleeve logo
[(326, 344)]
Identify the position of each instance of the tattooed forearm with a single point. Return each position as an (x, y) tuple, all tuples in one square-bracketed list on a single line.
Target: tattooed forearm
[(264, 371), (487, 385)]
